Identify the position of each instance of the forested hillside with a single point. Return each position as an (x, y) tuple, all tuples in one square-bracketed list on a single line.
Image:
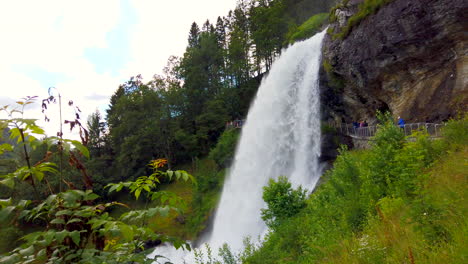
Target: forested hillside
[(180, 114)]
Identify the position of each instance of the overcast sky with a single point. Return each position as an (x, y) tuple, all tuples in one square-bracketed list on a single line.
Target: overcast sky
[(86, 48)]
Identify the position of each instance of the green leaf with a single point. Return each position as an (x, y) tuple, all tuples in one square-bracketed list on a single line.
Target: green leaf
[(82, 149), (126, 231), (27, 251), (47, 167), (170, 174), (177, 174), (137, 193), (37, 130), (31, 138), (91, 196), (32, 237), (5, 147), (15, 133), (113, 186), (6, 212), (58, 221), (185, 176), (95, 223), (63, 212), (75, 236), (5, 202), (49, 237), (60, 236), (12, 259), (41, 255), (83, 213), (9, 182), (23, 203), (38, 174), (71, 197)]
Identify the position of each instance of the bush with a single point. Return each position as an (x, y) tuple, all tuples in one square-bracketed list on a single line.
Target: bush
[(455, 132), (282, 201), (9, 238)]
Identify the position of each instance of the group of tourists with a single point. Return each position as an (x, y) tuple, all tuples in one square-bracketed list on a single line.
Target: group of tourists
[(360, 124), (235, 124), (359, 127)]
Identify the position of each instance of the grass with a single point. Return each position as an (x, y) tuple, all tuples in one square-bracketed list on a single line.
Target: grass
[(398, 235), (173, 225), (308, 28)]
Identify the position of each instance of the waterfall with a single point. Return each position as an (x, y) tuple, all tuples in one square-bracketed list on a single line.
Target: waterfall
[(280, 137)]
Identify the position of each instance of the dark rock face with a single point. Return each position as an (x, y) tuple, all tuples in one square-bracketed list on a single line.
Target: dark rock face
[(410, 58), (331, 142)]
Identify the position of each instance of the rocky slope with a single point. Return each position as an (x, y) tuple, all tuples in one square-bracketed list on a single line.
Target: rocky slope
[(410, 57)]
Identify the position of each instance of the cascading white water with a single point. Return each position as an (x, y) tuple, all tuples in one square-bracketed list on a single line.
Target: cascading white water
[(281, 137)]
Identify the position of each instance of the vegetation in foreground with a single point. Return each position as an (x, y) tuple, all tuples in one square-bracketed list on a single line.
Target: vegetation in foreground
[(72, 225)]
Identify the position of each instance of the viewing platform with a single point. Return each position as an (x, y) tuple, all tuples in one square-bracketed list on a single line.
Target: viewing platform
[(434, 130)]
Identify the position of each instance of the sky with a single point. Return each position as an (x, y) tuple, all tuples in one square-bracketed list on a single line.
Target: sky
[(86, 48)]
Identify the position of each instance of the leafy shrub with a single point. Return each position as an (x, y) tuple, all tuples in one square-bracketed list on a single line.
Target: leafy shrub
[(73, 227), (455, 132), (282, 201), (10, 236)]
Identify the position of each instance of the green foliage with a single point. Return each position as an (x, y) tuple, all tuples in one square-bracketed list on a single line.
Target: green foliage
[(74, 227), (400, 201), (327, 129), (455, 132), (309, 28), (205, 195), (334, 80), (282, 201), (10, 236), (224, 151)]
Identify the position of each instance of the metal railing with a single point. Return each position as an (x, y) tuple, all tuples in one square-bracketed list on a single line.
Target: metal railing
[(432, 129)]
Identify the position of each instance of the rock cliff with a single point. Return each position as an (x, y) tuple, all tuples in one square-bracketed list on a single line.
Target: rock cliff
[(409, 57)]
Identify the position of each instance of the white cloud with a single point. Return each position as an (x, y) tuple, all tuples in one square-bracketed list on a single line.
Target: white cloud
[(52, 35), (163, 30)]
